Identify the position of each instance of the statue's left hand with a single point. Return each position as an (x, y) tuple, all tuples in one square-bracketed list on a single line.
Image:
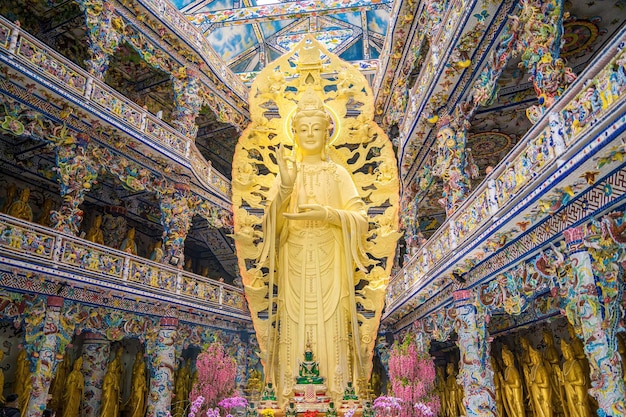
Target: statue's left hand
[(308, 212)]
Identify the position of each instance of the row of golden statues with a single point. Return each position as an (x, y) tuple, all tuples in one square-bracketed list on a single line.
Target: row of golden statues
[(67, 390), (532, 382), (18, 205), (184, 379)]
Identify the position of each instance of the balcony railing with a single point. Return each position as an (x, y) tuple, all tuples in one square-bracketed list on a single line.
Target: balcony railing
[(520, 174), (67, 254), (22, 48)]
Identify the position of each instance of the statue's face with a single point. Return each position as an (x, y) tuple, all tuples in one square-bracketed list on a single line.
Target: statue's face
[(311, 134)]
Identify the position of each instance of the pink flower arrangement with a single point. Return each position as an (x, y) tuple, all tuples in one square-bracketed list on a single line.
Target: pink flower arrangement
[(216, 375), (195, 406), (213, 412), (387, 405), (412, 376), (424, 409), (233, 402)]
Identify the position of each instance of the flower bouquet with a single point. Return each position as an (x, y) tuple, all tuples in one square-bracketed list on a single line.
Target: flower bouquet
[(233, 403), (267, 412), (310, 413), (387, 406)]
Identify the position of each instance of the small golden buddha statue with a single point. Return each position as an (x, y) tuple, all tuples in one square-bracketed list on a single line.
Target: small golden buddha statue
[(552, 360), (136, 403), (110, 404), (205, 271), (574, 382), (44, 216), (255, 381), (512, 386), (10, 198), (74, 388), (497, 382), (20, 207), (188, 264), (524, 361), (578, 349), (157, 253), (540, 387), (57, 388), (95, 233), (128, 244), (22, 374), (181, 388), (440, 386), (461, 400), (452, 390)]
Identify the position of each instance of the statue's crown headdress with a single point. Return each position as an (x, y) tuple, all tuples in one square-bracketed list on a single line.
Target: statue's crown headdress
[(310, 101)]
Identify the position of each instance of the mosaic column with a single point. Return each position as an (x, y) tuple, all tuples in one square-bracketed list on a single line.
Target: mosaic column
[(454, 164), (77, 172), (45, 355), (105, 30), (163, 367), (95, 355), (542, 27), (596, 319), (475, 373), (176, 214), (422, 338), (187, 101)]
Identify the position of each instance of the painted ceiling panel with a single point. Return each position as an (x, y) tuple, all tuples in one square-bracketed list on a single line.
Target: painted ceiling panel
[(270, 28), (232, 41), (377, 21), (247, 34)]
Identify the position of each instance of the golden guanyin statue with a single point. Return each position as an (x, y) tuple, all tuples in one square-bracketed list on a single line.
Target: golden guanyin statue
[(20, 207), (136, 403), (453, 394), (497, 382), (74, 388), (110, 404), (512, 386), (540, 385), (57, 388), (21, 377), (315, 198), (574, 382), (552, 363)]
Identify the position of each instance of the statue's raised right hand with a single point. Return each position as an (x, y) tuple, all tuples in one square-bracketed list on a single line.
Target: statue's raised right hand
[(287, 173)]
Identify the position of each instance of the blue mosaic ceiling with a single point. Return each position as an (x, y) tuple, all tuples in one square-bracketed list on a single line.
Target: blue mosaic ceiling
[(248, 34)]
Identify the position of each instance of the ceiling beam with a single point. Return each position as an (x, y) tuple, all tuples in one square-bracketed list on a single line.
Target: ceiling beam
[(281, 11)]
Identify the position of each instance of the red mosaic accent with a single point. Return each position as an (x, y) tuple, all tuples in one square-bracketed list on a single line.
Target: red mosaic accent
[(169, 321)]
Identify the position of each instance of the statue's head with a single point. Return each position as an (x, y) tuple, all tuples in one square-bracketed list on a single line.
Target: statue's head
[(311, 125), (450, 368), (25, 194), (567, 350), (507, 357), (78, 363), (547, 337)]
